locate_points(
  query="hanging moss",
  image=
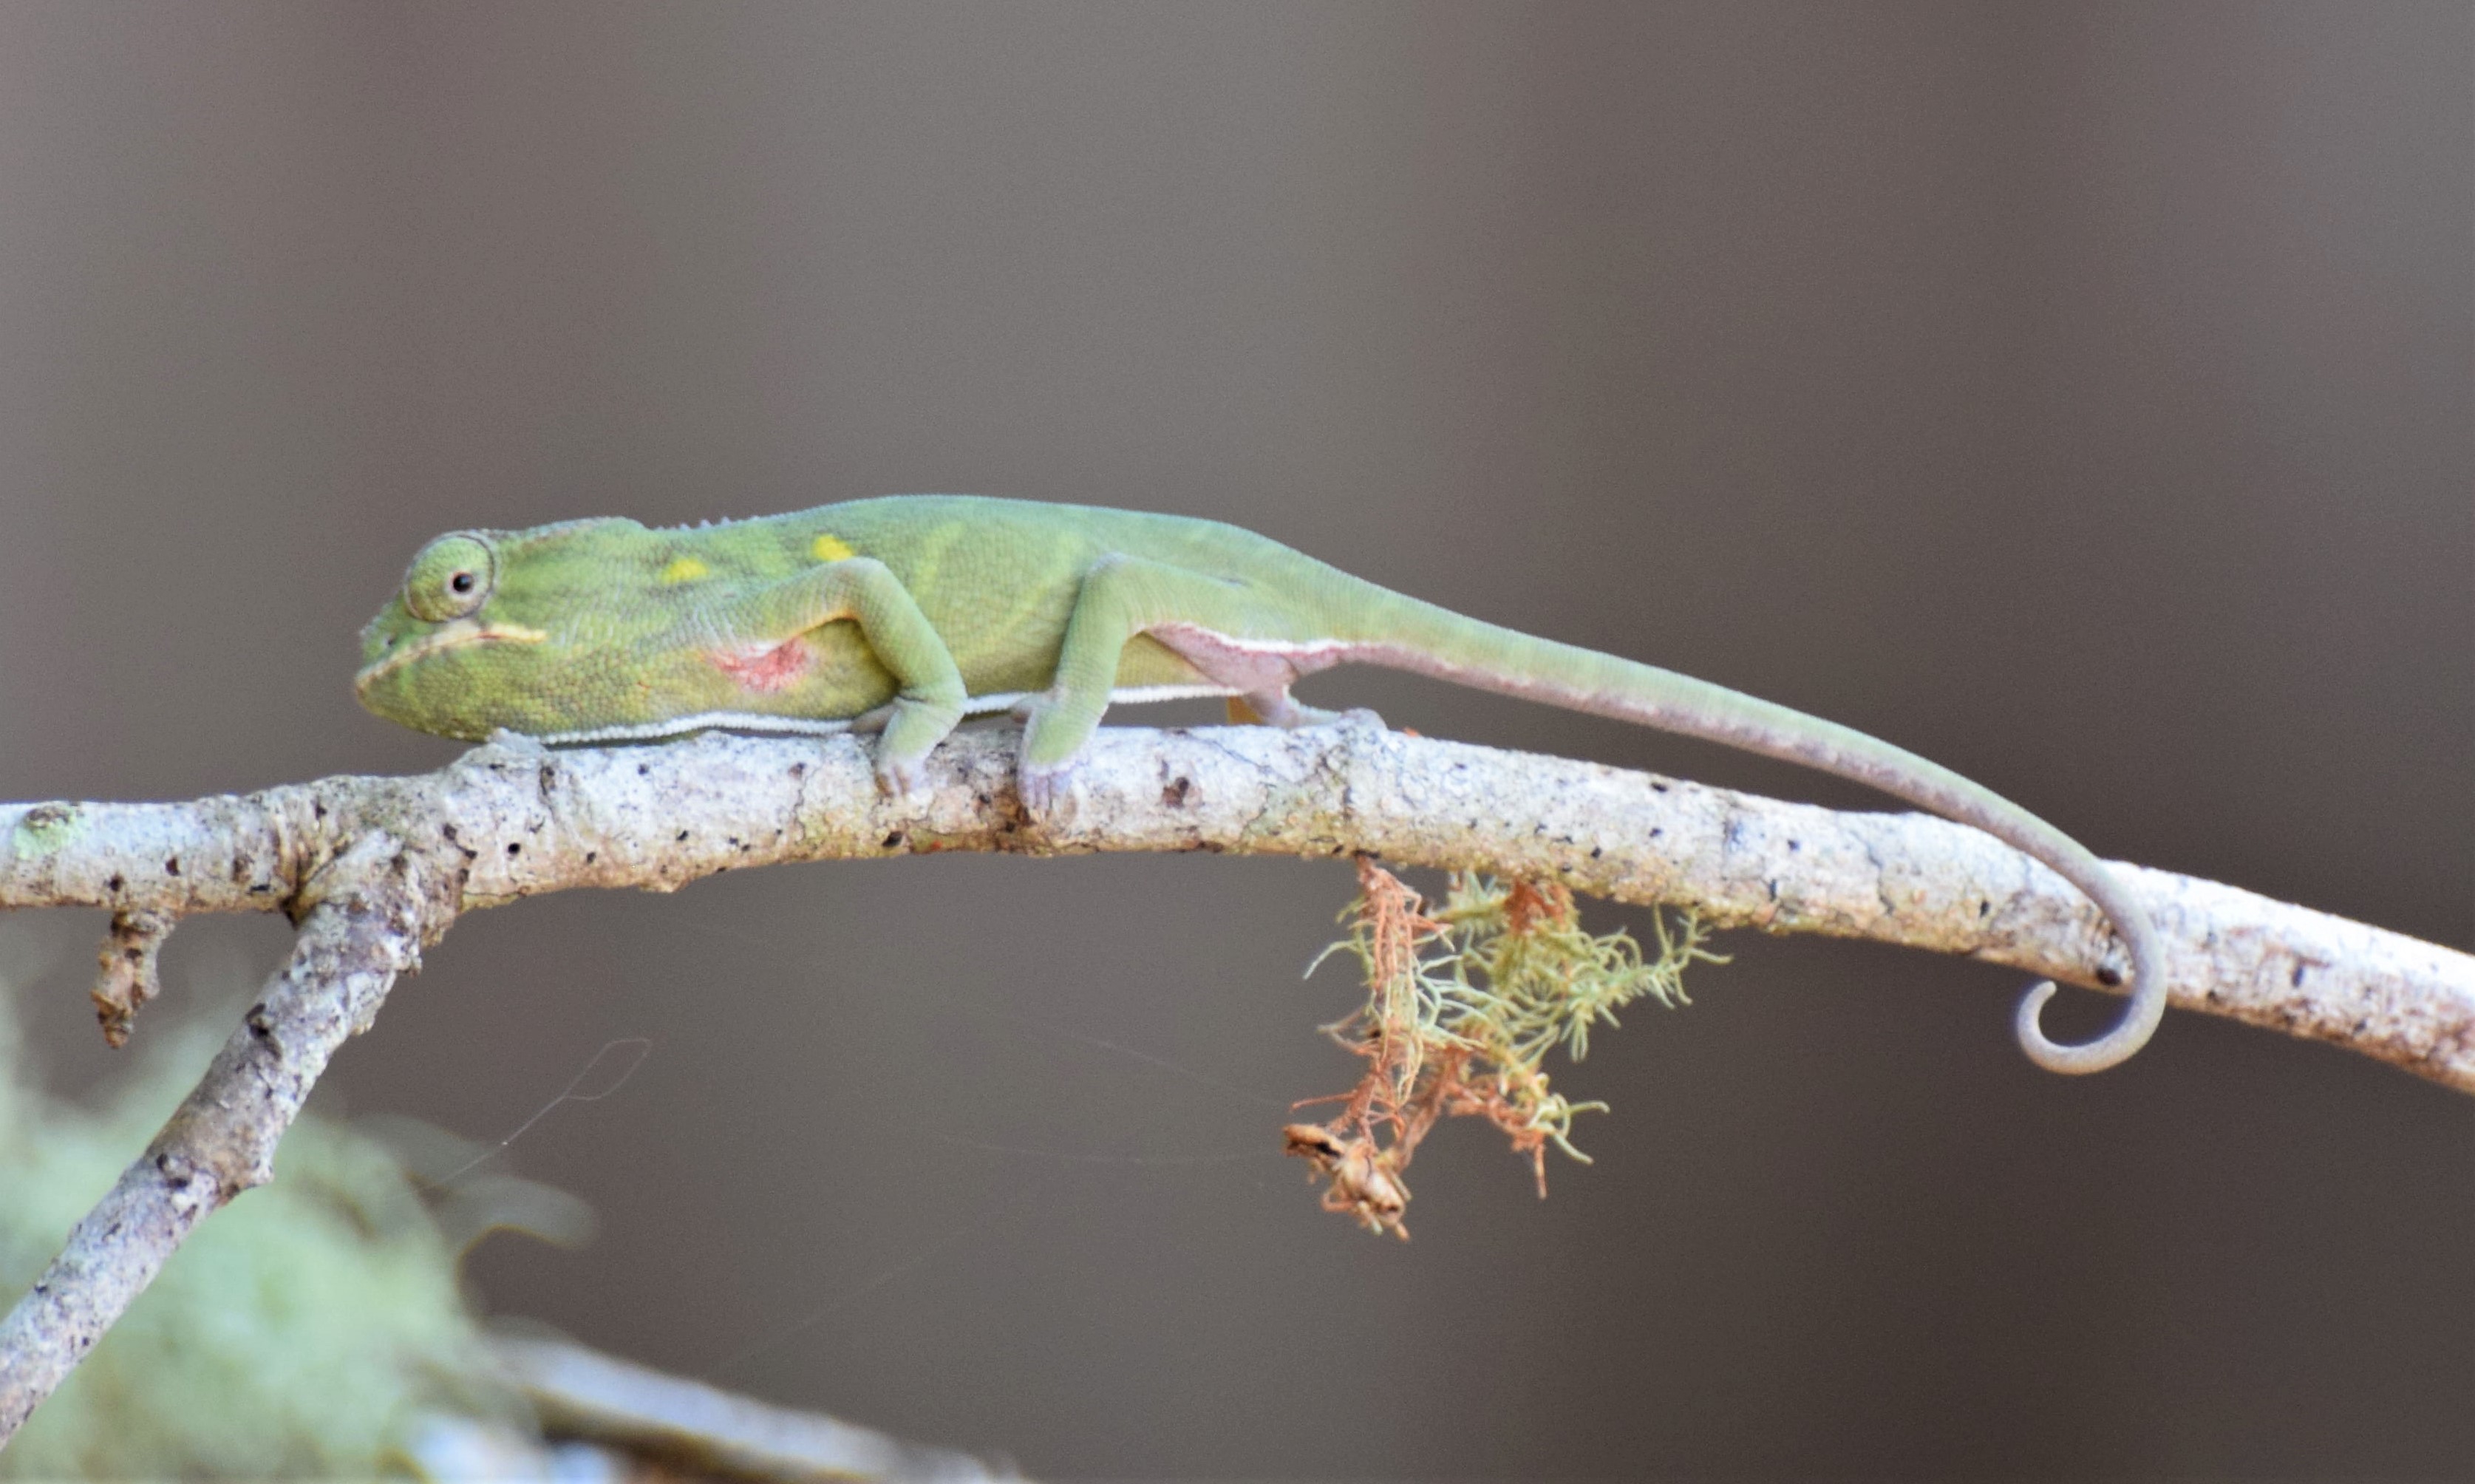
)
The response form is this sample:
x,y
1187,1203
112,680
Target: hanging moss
x,y
1463,1005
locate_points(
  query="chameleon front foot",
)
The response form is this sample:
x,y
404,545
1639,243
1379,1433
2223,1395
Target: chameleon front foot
x,y
902,779
914,726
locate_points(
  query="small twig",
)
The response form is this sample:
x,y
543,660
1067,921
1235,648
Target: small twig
x,y
585,1392
508,821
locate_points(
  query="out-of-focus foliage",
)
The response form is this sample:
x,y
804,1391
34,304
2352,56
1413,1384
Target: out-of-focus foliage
x,y
299,1333
315,1328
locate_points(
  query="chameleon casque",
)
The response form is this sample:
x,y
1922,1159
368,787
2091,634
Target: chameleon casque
x,y
909,613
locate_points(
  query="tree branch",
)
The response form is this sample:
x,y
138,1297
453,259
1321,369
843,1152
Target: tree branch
x,y
376,868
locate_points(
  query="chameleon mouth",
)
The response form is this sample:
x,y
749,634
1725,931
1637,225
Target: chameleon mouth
x,y
453,635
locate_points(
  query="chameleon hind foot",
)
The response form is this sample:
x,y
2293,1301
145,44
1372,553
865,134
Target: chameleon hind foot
x,y
1044,784
1044,788
1051,793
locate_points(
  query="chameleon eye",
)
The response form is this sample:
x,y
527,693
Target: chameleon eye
x,y
450,577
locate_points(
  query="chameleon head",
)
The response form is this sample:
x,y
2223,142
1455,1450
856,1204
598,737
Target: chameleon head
x,y
504,629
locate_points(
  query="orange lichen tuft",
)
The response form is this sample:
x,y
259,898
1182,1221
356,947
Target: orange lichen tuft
x,y
1531,904
1462,1006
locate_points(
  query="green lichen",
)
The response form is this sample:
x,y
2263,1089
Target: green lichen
x,y
44,829
297,1334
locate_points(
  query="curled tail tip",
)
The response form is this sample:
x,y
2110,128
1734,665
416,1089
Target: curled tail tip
x,y
2110,1050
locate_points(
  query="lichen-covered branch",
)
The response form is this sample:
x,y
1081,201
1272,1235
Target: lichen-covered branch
x,y
376,866
521,821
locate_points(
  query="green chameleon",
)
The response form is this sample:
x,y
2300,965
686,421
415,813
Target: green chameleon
x,y
910,613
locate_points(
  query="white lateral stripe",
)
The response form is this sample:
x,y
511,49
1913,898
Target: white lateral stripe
x,y
1123,696
1280,646
1136,695
817,726
737,720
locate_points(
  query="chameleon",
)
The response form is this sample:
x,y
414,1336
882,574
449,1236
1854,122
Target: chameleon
x,y
905,614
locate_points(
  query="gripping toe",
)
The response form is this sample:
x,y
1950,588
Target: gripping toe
x,y
902,779
1043,790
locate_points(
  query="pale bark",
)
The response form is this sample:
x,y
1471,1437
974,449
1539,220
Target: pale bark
x,y
376,868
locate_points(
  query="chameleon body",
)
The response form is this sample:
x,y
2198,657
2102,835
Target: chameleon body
x,y
909,613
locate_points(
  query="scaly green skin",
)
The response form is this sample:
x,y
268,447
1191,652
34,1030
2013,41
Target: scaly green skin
x,y
911,612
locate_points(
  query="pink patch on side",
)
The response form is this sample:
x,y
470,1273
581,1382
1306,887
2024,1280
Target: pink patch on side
x,y
766,671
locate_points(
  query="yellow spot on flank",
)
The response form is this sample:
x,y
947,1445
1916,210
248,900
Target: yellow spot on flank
x,y
683,569
830,548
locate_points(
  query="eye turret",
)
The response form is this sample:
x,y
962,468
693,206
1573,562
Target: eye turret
x,y
450,577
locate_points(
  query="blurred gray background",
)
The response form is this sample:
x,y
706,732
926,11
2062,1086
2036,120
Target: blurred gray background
x,y
2078,394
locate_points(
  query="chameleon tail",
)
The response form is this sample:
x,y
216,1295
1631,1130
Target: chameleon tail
x,y
1404,634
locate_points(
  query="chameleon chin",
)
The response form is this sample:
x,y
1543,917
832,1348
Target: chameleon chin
x,y
915,611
